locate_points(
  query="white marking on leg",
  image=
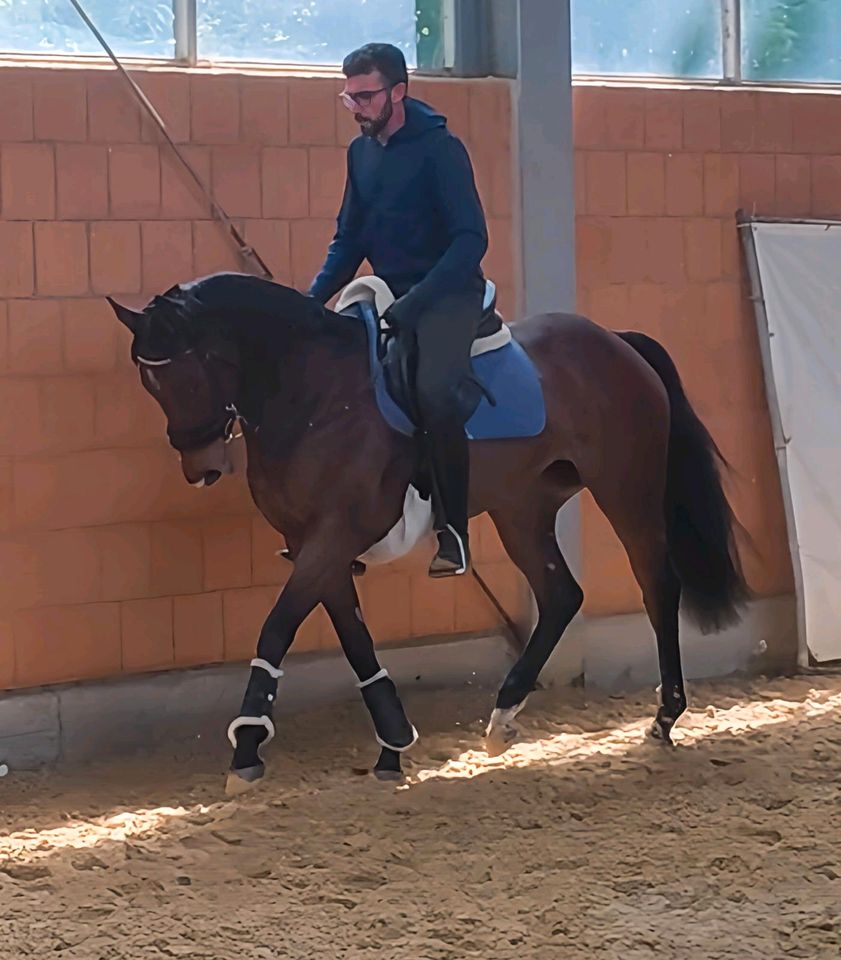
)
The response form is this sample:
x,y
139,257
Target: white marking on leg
x,y
408,746
503,718
250,722
274,672
377,676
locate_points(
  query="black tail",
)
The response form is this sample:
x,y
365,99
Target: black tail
x,y
700,522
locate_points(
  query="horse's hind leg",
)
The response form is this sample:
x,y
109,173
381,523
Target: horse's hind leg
x,y
528,535
640,523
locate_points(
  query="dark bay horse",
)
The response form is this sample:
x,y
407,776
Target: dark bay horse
x,y
329,474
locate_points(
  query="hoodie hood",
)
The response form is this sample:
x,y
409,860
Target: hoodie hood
x,y
420,119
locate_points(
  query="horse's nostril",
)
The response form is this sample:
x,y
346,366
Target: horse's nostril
x,y
211,477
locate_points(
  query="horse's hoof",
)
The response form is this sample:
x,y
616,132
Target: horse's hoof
x,y
388,776
660,735
501,731
242,781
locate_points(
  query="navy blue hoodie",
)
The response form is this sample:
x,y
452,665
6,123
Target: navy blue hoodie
x,y
412,210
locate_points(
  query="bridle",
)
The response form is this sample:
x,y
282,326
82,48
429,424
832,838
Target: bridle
x,y
223,428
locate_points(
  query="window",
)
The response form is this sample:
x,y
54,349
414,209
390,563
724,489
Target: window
x,y
791,40
302,31
134,28
673,38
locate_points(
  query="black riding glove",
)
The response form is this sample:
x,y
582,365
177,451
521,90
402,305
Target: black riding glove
x,y
402,315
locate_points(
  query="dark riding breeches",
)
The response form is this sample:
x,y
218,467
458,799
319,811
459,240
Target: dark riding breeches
x,y
447,395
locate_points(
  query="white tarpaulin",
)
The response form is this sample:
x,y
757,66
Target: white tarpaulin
x,y
799,287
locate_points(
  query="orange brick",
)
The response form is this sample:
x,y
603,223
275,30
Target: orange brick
x,y
245,612
774,119
264,109
580,178
757,183
180,195
627,249
16,111
20,432
646,184
35,336
28,181
310,239
176,558
236,180
125,413
473,609
82,181
793,190
126,561
167,254
663,119
213,249
6,492
625,118
61,644
113,112
169,94
589,117
502,179
703,249
45,577
815,124
664,248
199,629
270,238
608,306
826,183
67,413
327,172
135,179
266,567
433,606
721,185
60,105
61,259
701,120
499,260
684,184
227,553
738,119
731,253
115,257
4,335
606,187
147,634
387,606
285,183
214,109
17,276
90,335
7,654
592,249
312,115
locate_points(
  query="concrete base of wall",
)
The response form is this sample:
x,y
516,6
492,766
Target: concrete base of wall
x,y
76,722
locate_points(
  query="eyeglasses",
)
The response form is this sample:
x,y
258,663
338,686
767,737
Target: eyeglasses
x,y
361,99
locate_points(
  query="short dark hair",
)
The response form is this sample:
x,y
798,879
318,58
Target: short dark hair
x,y
383,57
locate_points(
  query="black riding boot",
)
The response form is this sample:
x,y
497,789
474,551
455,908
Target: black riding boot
x,y
450,462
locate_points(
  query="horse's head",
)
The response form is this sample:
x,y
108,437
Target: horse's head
x,y
192,371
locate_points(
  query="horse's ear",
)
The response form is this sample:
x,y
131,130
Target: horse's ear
x,y
129,317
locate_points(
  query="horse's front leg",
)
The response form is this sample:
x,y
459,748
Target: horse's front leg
x,y
394,733
254,726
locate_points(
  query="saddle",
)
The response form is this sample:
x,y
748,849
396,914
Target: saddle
x,y
370,297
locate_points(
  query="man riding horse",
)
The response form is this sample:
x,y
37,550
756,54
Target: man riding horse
x,y
411,209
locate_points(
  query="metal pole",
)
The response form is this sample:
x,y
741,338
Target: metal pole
x,y
184,24
731,39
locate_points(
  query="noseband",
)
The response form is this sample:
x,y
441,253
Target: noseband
x,y
224,428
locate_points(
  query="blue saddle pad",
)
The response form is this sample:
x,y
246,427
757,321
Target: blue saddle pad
x,y
508,374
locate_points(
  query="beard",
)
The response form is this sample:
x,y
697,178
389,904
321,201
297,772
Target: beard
x,y
373,128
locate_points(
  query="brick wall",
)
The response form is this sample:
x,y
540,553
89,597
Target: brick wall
x,y
660,174
111,563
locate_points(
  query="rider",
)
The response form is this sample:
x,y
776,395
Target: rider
x,y
411,209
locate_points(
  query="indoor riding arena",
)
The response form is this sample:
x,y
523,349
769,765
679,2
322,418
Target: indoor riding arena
x,y
670,171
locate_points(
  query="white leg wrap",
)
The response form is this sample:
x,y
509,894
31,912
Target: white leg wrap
x,y
275,672
408,746
250,722
377,676
501,718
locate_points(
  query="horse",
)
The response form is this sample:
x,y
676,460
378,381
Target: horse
x,y
331,474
